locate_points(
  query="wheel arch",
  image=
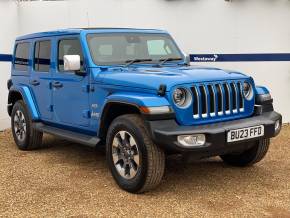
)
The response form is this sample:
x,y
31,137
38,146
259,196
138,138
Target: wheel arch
x,y
13,97
121,103
22,93
112,110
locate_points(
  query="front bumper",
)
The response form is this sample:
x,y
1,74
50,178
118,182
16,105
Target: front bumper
x,y
164,133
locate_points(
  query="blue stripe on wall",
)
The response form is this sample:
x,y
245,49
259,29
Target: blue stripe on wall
x,y
239,57
5,57
215,57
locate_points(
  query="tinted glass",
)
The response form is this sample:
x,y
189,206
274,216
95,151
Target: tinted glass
x,y
22,56
158,47
42,56
69,47
118,48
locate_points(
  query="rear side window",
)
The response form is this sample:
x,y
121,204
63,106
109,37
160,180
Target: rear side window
x,y
69,47
22,56
42,53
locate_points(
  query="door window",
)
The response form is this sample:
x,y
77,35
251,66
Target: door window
x,y
42,53
69,47
22,56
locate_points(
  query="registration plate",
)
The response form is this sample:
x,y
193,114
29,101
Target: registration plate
x,y
245,133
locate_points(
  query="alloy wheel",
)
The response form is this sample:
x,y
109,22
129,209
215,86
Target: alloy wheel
x,y
125,153
19,125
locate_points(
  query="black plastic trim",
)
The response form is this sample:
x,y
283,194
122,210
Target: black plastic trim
x,y
164,133
166,116
9,83
91,141
260,109
260,99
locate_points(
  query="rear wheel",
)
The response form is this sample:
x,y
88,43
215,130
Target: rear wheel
x,y
249,157
136,163
25,137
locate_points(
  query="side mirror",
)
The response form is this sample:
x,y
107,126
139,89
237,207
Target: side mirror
x,y
72,62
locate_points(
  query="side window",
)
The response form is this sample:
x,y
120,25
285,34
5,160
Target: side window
x,y
42,53
69,47
22,56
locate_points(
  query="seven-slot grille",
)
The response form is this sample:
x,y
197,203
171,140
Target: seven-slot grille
x,y
217,99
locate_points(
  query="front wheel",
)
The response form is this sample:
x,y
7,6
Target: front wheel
x,y
136,163
249,157
24,135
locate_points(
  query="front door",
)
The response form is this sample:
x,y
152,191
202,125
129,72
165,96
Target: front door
x,y
40,79
70,94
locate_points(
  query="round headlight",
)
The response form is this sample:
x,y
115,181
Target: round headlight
x,y
182,97
248,91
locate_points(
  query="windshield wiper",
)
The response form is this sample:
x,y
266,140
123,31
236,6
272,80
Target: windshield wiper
x,y
129,62
163,61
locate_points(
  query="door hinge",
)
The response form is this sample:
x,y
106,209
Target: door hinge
x,y
88,88
86,114
50,108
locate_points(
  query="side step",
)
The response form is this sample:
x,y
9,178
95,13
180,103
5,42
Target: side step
x,y
69,135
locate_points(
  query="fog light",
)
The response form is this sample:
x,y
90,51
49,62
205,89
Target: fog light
x,y
277,126
191,140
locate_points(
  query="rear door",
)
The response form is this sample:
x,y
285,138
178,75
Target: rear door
x,y
41,75
70,91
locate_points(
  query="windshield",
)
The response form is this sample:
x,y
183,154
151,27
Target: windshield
x,y
121,48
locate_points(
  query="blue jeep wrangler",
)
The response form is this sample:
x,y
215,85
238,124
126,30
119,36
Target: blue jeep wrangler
x,y
134,91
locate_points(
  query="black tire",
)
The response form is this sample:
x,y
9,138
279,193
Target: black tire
x,y
151,158
30,139
250,156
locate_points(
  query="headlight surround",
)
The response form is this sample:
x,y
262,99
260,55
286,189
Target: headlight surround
x,y
182,97
248,91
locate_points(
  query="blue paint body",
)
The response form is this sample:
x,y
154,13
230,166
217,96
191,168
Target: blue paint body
x,y
261,90
71,107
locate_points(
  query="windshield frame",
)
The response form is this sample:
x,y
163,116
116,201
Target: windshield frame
x,y
180,53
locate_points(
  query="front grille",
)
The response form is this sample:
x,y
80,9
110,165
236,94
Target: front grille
x,y
217,99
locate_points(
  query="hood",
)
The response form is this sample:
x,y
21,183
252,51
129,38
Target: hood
x,y
152,78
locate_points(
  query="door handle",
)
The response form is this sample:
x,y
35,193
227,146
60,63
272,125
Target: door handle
x,y
35,82
57,85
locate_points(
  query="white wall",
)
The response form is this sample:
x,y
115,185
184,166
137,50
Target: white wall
x,y
199,26
42,16
8,24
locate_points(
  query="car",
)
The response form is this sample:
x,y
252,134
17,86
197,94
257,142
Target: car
x,y
135,92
